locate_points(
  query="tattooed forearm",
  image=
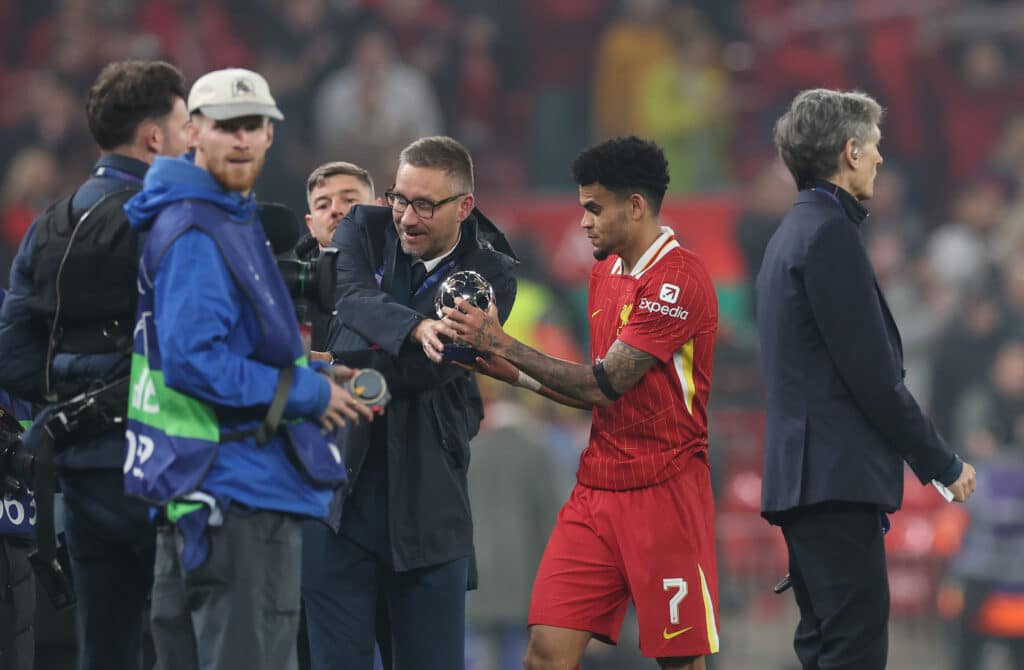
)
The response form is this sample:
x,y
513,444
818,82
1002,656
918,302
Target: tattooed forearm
x,y
573,380
626,365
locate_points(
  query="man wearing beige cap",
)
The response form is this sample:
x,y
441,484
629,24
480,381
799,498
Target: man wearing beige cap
x,y
229,432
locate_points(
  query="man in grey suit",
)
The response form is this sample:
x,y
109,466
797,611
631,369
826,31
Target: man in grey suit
x,y
840,421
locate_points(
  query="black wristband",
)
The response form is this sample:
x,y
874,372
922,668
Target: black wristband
x,y
604,383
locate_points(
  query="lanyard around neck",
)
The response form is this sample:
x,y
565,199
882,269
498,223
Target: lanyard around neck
x,y
107,171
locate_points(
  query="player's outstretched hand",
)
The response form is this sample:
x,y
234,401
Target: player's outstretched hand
x,y
964,486
473,327
428,334
341,407
494,366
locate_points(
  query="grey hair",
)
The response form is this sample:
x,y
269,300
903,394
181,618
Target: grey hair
x,y
816,127
441,153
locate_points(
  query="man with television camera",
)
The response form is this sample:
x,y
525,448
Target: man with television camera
x,y
331,190
65,338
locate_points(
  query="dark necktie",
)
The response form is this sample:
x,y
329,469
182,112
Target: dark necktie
x,y
419,273
406,280
401,280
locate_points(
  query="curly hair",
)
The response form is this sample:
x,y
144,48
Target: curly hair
x,y
817,126
125,94
625,165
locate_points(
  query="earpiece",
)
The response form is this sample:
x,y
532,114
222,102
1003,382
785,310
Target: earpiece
x,y
855,152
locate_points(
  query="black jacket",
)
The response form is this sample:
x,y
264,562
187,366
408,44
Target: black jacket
x,y
435,409
840,421
23,339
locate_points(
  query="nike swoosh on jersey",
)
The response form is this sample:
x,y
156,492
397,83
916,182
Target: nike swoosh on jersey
x,y
668,636
596,312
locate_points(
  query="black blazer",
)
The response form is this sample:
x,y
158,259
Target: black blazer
x,y
434,409
840,422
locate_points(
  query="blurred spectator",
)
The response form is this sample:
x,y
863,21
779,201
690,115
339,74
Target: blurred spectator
x,y
794,52
420,29
425,34
765,201
895,235
964,352
53,113
196,35
515,494
684,102
67,42
972,91
29,185
367,111
989,566
559,51
1008,153
1013,291
476,114
990,415
916,316
963,250
632,44
298,44
893,207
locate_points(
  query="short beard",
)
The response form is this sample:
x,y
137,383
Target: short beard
x,y
600,254
414,255
242,185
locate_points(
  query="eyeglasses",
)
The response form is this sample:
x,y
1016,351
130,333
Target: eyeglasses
x,y
423,208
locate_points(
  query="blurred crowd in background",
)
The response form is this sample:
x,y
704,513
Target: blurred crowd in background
x,y
525,85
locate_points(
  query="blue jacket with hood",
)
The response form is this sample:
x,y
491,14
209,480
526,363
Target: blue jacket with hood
x,y
209,322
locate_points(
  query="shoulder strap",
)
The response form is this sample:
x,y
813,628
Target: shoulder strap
x,y
62,213
275,413
276,410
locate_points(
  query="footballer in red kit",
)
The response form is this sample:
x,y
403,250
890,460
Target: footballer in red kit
x,y
639,525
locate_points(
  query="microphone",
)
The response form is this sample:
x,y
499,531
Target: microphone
x,y
280,225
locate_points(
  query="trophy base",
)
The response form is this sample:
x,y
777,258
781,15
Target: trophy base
x,y
457,353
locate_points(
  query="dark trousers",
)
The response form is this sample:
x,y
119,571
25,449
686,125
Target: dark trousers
x,y
17,606
382,634
112,543
239,610
837,563
342,584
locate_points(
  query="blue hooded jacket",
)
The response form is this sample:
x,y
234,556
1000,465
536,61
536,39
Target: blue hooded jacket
x,y
209,336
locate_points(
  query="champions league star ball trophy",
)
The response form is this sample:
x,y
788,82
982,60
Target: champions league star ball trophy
x,y
474,289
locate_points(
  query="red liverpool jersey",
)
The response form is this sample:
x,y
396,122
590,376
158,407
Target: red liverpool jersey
x,y
665,307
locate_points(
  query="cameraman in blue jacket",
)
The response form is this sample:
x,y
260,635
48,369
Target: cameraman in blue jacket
x,y
227,426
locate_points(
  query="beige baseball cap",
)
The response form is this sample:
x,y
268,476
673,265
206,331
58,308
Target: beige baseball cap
x,y
232,93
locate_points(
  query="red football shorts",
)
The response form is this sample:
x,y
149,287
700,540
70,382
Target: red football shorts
x,y
654,545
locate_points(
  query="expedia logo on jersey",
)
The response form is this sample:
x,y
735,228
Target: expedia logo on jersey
x,y
648,305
